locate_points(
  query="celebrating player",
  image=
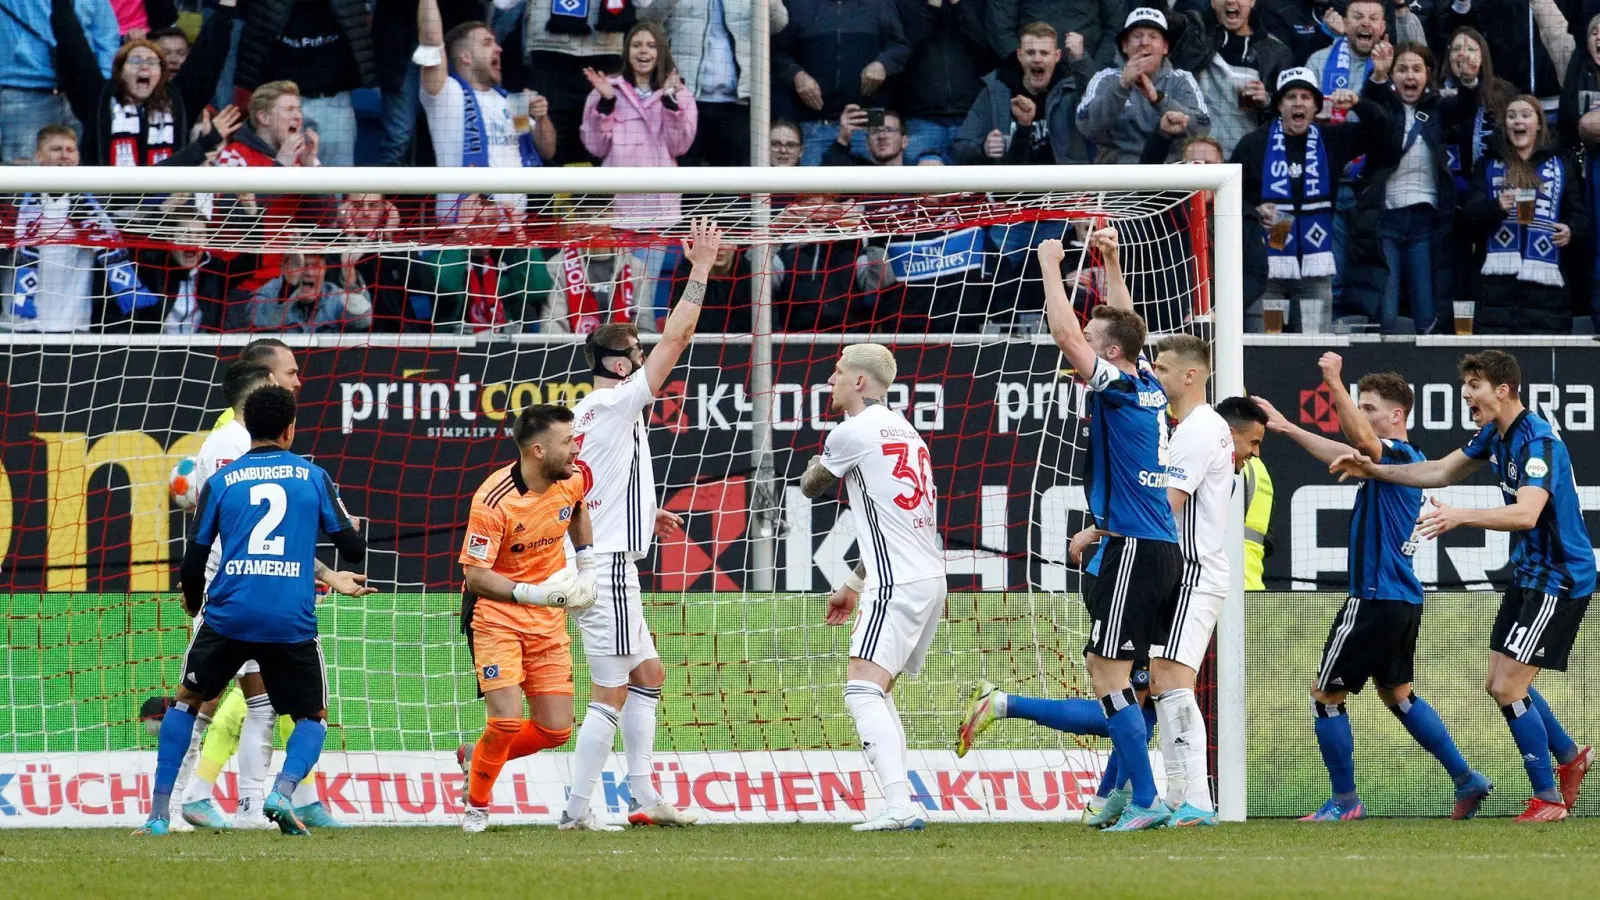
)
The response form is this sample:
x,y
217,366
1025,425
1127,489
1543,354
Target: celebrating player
x,y
1137,564
1553,564
901,571
620,486
266,508
517,591
246,712
1374,635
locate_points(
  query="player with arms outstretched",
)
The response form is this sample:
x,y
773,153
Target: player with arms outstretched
x,y
619,475
1137,565
900,577
1552,560
1374,635
518,588
267,508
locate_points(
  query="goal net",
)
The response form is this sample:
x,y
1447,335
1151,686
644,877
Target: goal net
x,y
424,307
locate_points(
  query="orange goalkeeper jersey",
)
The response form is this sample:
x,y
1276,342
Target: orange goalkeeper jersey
x,y
518,533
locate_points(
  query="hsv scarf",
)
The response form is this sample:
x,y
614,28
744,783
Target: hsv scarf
x,y
87,221
572,17
475,137
1527,252
1336,74
1309,251
583,307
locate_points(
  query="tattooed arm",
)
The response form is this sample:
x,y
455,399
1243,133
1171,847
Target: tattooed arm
x,y
705,239
817,479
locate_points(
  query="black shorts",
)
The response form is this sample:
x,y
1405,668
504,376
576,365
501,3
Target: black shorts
x,y
293,673
1374,639
1536,628
1136,577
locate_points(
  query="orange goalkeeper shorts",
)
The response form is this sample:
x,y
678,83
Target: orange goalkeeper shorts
x,y
538,661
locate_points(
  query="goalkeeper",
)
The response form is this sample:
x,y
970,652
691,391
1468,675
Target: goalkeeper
x,y
517,590
246,712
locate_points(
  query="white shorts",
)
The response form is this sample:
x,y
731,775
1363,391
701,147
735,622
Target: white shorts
x,y
614,625
1189,620
251,667
613,671
895,625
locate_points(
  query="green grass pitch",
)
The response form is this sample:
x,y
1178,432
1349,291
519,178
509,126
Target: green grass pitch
x,y
1267,858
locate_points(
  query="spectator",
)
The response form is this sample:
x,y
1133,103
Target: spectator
x,y
949,58
276,134
1202,149
590,286
174,42
945,275
55,266
1530,40
142,114
325,47
560,40
1238,60
28,98
374,219
173,284
711,41
886,141
1345,64
1293,216
469,114
1419,191
1094,20
1527,198
1472,68
784,144
1122,108
478,288
1025,112
835,53
394,35
729,295
303,301
1580,128
1302,25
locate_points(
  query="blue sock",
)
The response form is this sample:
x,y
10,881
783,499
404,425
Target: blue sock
x,y
1561,744
1111,777
1338,747
300,754
177,726
1129,737
1424,724
1533,742
1076,716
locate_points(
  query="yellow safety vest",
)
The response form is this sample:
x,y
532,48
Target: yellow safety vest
x,y
1257,519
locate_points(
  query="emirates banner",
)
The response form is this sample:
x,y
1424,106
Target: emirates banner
x,y
89,433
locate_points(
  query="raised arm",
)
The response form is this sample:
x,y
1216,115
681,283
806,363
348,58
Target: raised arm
x,y
1432,473
1064,327
1117,293
1325,450
1352,422
705,239
430,43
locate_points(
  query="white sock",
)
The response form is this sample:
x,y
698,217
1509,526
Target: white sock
x,y
1165,731
900,727
1188,727
882,739
255,749
305,793
593,747
180,788
639,742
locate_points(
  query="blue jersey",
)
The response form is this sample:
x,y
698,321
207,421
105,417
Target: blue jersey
x,y
1126,478
1381,529
1556,555
268,506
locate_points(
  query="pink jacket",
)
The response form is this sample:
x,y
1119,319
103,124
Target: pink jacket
x,y
641,133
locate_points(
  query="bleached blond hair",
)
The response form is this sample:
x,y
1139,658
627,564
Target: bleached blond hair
x,y
872,360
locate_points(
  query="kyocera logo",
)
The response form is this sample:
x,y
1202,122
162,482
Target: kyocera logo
x,y
462,400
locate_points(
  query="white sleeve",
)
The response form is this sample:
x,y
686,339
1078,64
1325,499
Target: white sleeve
x,y
1186,459
444,109
1105,375
842,451
634,394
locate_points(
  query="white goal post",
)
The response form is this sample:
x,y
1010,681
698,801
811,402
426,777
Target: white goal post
x,y
760,184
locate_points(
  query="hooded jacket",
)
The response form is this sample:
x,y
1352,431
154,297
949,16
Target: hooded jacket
x,y
992,111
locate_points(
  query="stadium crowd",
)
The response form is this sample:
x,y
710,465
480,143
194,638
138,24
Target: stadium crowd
x,y
1407,166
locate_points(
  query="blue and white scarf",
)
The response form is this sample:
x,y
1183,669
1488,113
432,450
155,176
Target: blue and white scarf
x,y
87,221
1336,73
1528,253
1309,250
475,136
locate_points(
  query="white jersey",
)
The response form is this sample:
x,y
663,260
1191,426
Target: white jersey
x,y
889,475
614,459
223,446
1200,463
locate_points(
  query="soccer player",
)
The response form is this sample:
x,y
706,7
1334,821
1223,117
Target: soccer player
x,y
901,571
267,508
1552,560
620,486
518,588
1374,635
246,716
1136,567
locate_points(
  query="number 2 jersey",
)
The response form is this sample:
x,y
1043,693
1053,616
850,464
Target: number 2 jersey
x,y
888,475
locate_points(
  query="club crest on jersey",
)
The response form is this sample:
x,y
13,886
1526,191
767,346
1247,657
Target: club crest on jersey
x,y
477,546
565,514
491,672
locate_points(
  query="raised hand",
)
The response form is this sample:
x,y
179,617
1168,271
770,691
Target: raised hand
x,y
601,84
1104,240
1174,123
1022,111
702,244
1332,366
1051,253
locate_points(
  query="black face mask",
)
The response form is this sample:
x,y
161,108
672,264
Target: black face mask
x,y
601,354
